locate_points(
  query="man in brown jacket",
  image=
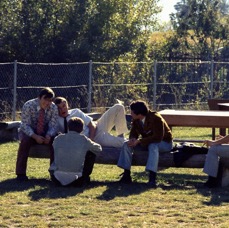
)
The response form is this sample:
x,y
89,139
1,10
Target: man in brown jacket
x,y
149,131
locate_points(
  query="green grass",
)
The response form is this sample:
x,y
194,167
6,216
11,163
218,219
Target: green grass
x,y
179,201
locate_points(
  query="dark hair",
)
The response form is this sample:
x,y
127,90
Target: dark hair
x,y
75,124
47,93
59,100
139,107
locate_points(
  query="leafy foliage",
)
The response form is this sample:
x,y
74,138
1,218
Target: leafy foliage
x,y
70,30
202,28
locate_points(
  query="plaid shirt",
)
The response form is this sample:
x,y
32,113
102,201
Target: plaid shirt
x,y
29,118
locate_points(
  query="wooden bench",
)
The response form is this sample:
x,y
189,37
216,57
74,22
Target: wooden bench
x,y
110,155
213,105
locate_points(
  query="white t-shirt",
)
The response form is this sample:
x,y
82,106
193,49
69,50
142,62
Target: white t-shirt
x,y
75,113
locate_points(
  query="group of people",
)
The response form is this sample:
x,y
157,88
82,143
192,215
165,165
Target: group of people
x,y
75,139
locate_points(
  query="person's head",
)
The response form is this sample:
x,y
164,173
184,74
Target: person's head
x,y
62,105
75,124
139,109
46,97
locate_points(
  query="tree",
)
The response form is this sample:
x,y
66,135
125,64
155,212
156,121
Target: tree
x,y
202,26
75,30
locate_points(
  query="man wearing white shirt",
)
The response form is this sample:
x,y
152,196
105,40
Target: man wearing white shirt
x,y
98,131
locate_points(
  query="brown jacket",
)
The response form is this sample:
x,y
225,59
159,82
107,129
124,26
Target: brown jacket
x,y
155,129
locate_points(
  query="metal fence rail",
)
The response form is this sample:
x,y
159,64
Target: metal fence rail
x,y
94,86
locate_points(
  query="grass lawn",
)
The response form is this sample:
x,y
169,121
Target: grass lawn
x,y
179,201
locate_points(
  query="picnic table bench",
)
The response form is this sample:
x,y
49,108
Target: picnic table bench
x,y
110,155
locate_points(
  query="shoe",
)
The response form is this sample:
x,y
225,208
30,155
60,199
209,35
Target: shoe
x,y
22,178
212,182
87,180
126,179
152,184
152,180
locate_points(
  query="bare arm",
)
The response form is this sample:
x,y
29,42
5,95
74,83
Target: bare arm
x,y
223,140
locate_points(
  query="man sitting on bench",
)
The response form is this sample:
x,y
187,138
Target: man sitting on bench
x,y
156,137
38,126
219,149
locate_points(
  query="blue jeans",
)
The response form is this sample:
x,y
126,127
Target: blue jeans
x,y
125,157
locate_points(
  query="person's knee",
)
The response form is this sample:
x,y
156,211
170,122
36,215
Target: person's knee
x,y
153,147
119,107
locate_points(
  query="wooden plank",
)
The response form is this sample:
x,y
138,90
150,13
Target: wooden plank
x,y
196,118
110,155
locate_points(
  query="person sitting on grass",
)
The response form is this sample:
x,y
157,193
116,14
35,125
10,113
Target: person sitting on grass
x,y
218,149
156,137
70,150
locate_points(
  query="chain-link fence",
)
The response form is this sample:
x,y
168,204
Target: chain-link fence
x,y
94,86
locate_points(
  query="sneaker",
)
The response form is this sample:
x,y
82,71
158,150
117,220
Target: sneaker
x,y
126,179
22,178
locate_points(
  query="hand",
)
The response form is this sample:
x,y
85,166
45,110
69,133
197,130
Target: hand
x,y
219,137
47,139
39,139
208,143
133,142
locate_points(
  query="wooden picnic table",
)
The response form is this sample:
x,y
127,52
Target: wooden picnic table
x,y
223,107
216,119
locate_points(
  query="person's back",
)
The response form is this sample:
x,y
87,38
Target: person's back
x,y
70,150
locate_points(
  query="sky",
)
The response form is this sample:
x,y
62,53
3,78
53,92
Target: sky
x,y
168,7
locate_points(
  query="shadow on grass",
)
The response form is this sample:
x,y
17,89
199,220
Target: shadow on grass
x,y
115,189
44,188
216,196
38,188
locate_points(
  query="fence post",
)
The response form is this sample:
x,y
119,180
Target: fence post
x,y
89,87
212,77
154,84
14,91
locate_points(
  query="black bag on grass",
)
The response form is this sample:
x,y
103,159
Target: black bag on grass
x,y
183,151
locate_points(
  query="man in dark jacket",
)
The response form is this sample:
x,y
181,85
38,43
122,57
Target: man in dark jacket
x,y
149,131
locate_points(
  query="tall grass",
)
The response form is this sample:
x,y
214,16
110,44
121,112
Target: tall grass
x,y
179,201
